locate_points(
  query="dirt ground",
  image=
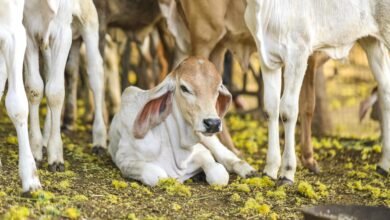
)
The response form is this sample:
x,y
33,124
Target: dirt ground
x,y
92,187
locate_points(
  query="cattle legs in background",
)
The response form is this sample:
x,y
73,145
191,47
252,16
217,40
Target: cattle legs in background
x,y
12,51
307,103
379,60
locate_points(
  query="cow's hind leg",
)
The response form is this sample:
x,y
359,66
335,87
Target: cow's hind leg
x,y
72,77
306,109
379,60
3,79
55,92
95,73
34,89
13,51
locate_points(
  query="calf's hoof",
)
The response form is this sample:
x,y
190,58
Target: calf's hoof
x,y
99,151
283,181
381,171
57,167
244,170
252,174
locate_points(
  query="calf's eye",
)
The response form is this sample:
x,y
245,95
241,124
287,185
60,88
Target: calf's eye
x,y
185,90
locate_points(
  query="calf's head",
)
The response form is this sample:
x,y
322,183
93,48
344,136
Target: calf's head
x,y
195,88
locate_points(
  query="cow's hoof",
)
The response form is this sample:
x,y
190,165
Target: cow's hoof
x,y
56,167
311,165
27,194
381,171
44,151
252,174
265,174
38,164
68,125
313,168
34,188
99,151
283,181
243,169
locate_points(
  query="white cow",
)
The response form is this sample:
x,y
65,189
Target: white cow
x,y
49,30
12,49
168,131
287,32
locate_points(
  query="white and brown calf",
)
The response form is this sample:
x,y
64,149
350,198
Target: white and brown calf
x,y
49,32
168,131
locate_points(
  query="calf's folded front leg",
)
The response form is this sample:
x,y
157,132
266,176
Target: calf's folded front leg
x,y
216,173
227,158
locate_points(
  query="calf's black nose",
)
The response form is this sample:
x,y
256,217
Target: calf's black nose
x,y
212,125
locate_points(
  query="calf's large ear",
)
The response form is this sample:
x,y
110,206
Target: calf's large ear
x,y
223,102
156,109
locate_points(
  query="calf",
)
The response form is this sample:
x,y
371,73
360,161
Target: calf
x,y
168,131
49,31
286,38
12,49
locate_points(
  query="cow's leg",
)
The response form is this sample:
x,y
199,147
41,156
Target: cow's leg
x,y
306,109
3,77
71,77
227,158
272,87
112,78
55,92
147,173
215,172
34,90
378,58
46,128
3,80
293,78
17,105
95,73
217,57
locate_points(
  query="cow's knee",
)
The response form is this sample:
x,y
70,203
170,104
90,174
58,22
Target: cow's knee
x,y
55,93
288,109
34,90
217,175
152,174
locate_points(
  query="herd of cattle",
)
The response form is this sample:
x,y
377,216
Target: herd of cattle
x,y
43,38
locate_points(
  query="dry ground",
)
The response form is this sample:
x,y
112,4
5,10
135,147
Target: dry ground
x,y
92,187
